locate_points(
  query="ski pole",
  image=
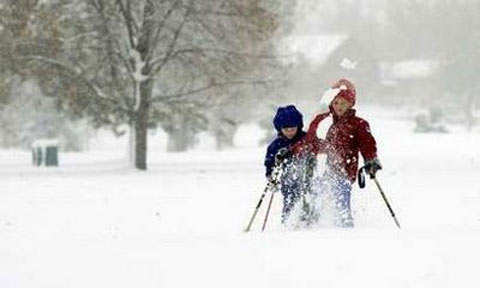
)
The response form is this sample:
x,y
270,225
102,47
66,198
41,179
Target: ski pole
x,y
270,185
257,208
386,202
268,211
274,189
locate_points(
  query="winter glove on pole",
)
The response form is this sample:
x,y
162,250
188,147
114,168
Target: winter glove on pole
x,y
372,166
282,154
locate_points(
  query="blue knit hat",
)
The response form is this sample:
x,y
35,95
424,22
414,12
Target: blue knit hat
x,y
288,116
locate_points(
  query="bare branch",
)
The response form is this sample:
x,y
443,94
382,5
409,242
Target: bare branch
x,y
93,87
129,21
160,27
196,91
173,42
162,58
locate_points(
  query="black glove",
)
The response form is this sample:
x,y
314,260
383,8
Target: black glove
x,y
372,166
282,154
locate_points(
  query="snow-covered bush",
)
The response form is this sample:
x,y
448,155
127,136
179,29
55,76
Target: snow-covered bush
x,y
30,115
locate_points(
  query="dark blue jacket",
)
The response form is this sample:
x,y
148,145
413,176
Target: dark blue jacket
x,y
287,116
277,144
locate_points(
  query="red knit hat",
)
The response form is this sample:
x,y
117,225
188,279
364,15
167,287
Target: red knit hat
x,y
347,90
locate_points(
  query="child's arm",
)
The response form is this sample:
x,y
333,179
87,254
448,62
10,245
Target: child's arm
x,y
270,158
311,142
312,129
317,145
368,148
367,144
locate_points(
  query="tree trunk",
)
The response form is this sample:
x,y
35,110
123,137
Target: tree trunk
x,y
225,135
141,125
177,141
180,136
131,145
223,141
141,140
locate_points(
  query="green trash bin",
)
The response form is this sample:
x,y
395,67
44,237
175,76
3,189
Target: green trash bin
x,y
45,152
51,156
39,156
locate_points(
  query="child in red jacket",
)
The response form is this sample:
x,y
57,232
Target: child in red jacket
x,y
346,138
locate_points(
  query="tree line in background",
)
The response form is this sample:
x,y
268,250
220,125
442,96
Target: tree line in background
x,y
209,65
439,39
182,65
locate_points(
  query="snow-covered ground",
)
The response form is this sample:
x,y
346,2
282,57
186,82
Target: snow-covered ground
x,y
93,222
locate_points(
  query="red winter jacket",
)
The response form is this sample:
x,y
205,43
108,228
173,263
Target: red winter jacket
x,y
346,137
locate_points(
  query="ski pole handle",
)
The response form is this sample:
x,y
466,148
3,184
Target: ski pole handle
x,y
361,177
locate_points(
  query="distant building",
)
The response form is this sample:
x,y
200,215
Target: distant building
x,y
337,56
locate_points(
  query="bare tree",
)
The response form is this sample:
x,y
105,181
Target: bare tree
x,y
127,61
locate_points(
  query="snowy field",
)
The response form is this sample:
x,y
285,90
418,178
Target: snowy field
x,y
93,222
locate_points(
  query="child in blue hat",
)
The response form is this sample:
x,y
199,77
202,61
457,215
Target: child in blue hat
x,y
288,122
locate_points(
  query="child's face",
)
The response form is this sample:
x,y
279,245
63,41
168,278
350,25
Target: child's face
x,y
289,132
340,105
